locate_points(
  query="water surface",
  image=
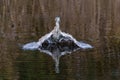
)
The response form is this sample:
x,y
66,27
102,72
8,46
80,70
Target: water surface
x,y
94,21
101,63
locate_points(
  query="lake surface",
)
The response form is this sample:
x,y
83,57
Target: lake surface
x,y
101,63
96,22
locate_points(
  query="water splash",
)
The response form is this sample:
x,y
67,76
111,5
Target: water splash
x,y
57,43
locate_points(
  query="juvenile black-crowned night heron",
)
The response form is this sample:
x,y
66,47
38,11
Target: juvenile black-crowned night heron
x,y
56,43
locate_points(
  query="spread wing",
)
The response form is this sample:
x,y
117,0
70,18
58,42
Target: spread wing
x,y
30,46
84,45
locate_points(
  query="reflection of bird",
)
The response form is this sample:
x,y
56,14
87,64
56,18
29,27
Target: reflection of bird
x,y
57,43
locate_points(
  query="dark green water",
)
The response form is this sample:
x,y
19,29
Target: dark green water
x,y
101,63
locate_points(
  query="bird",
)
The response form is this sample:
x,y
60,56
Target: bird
x,y
56,44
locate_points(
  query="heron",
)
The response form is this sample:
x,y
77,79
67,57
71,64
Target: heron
x,y
57,43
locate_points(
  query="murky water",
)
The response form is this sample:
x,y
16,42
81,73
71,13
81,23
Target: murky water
x,y
94,21
101,63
